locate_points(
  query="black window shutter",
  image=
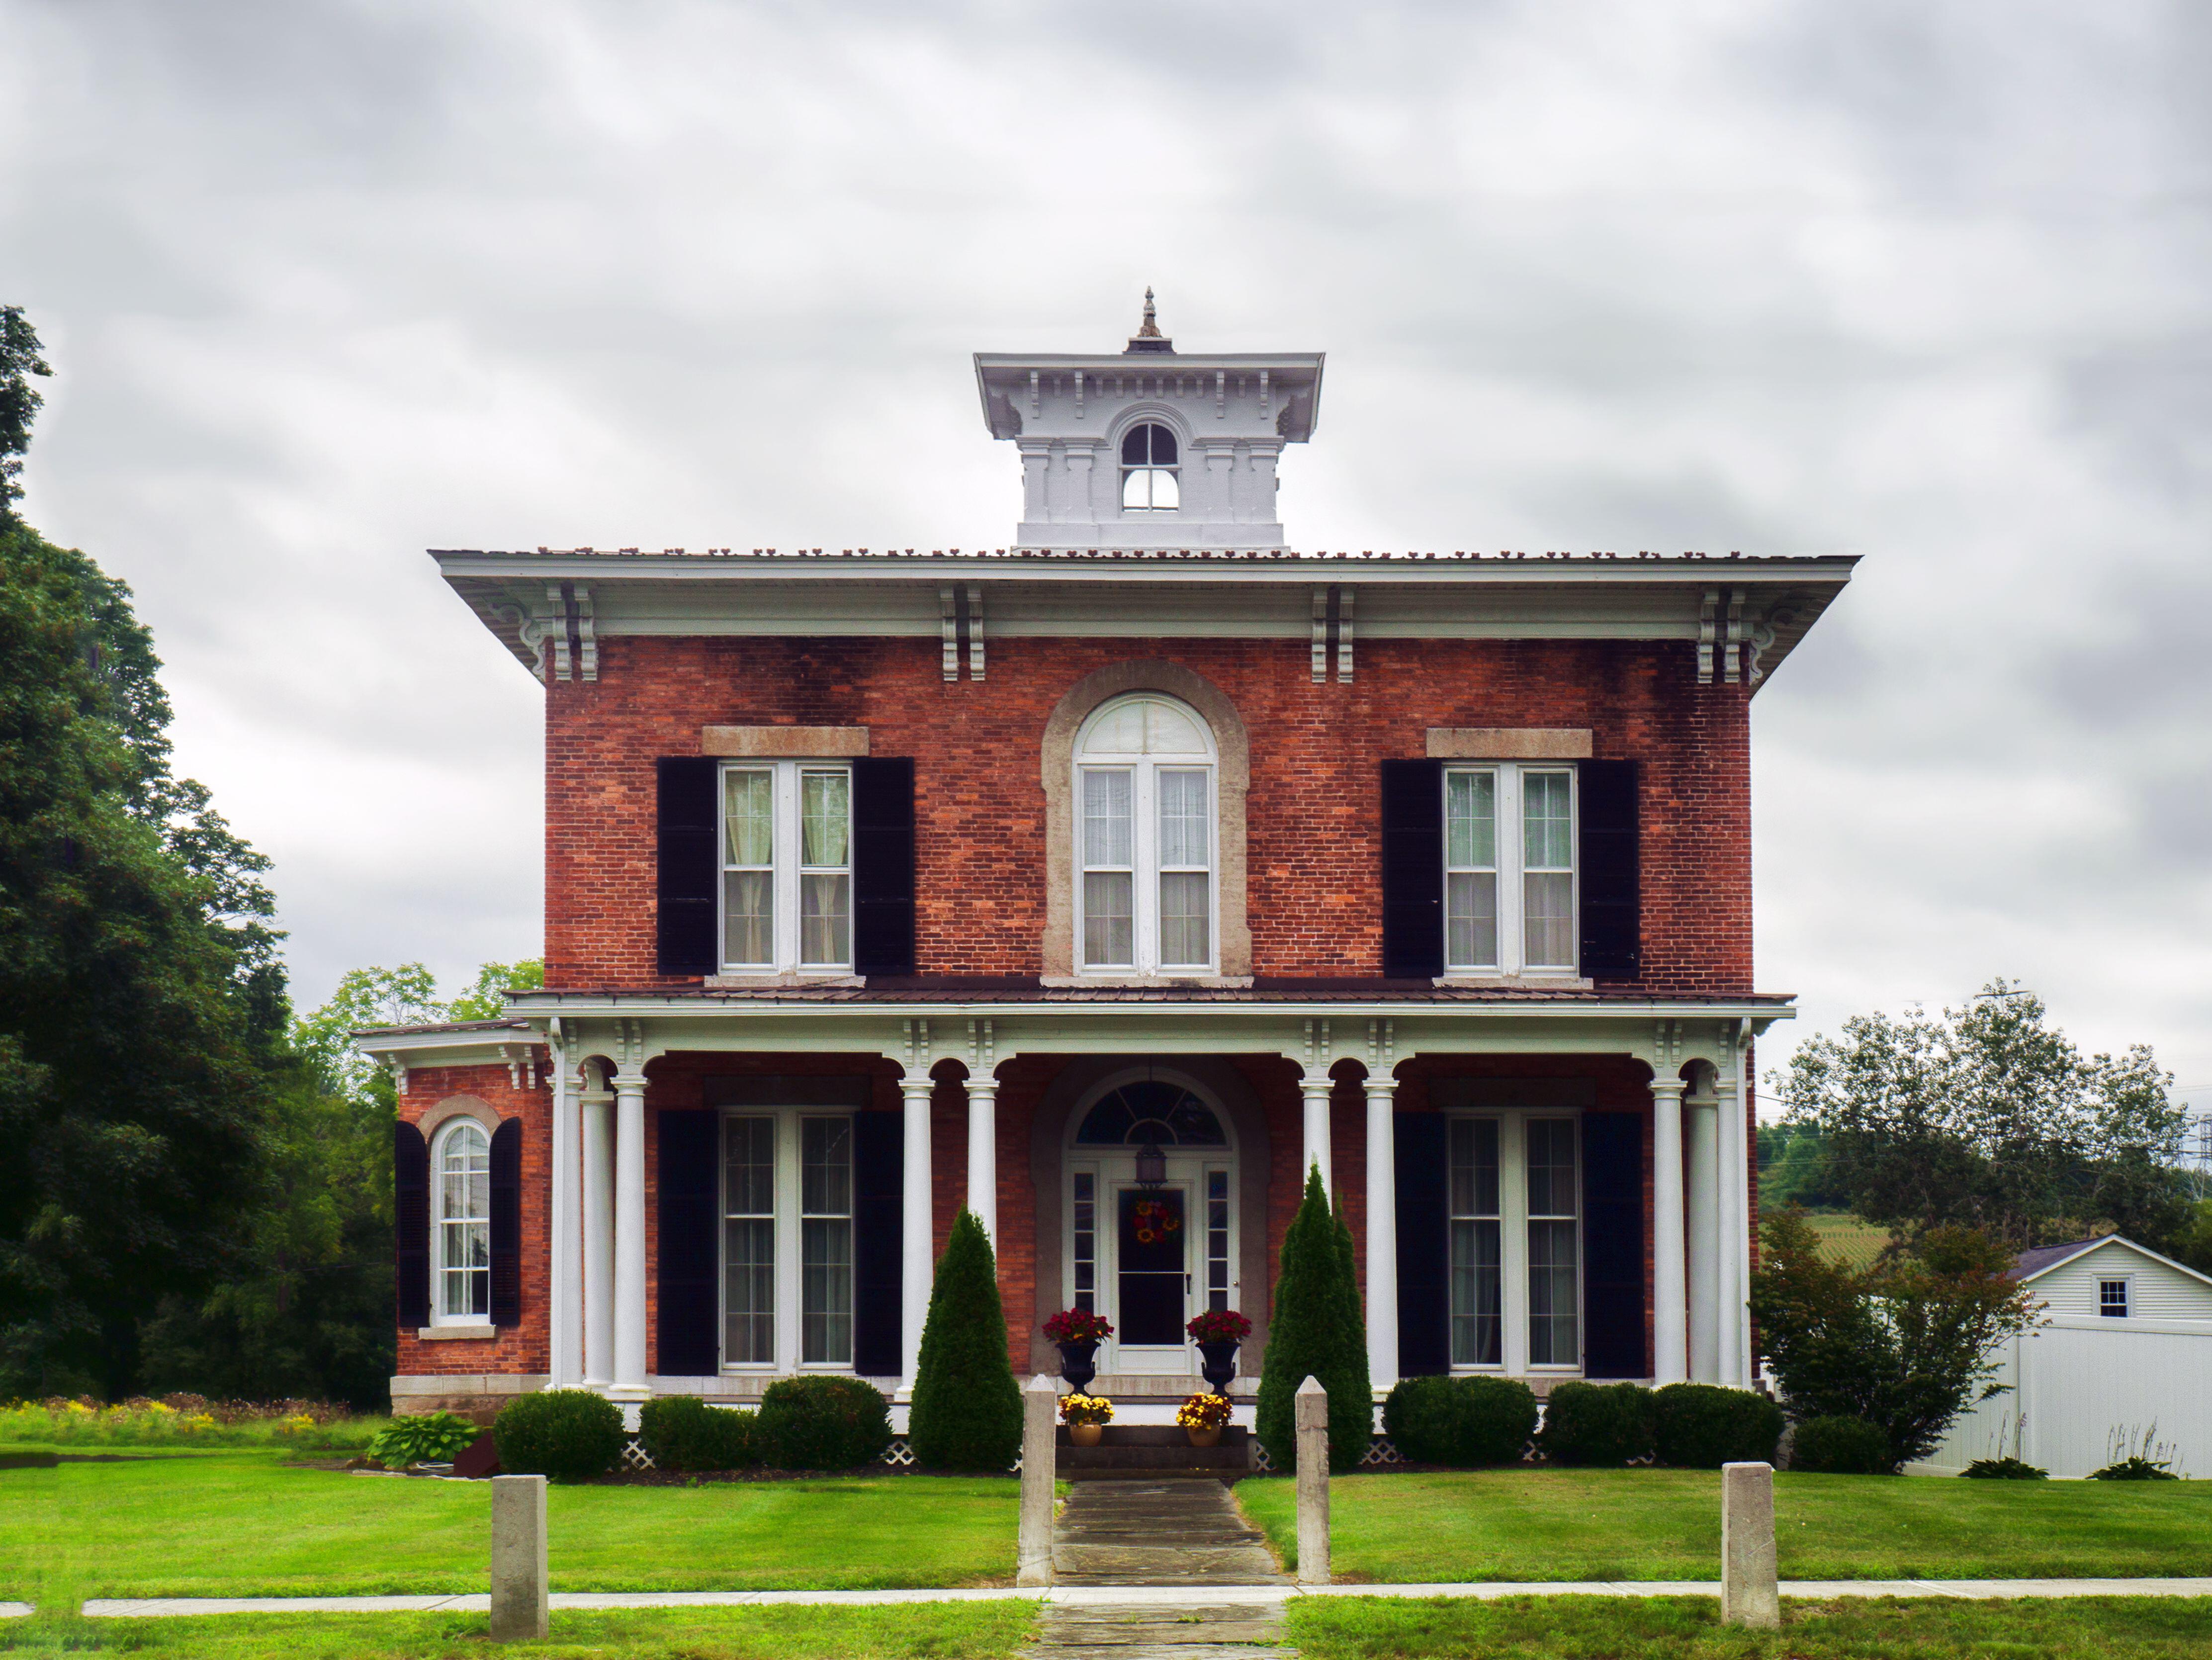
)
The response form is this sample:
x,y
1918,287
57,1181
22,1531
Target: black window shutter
x,y
410,1218
1413,869
1423,1244
687,817
1613,1245
1613,921
689,1342
878,1224
506,1223
883,865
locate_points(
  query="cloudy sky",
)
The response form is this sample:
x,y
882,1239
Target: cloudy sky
x,y
328,284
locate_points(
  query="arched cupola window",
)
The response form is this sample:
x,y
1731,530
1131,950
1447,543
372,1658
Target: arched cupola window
x,y
1151,468
1146,838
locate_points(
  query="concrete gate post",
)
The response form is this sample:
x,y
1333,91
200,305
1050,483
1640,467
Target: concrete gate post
x,y
1312,1421
1040,1467
519,1598
1748,1593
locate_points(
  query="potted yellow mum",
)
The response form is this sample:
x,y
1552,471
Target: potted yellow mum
x,y
1086,1417
1202,1416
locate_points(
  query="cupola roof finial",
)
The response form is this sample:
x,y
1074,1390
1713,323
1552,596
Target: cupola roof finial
x,y
1148,336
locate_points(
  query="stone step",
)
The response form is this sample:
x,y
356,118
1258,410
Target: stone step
x,y
1049,1651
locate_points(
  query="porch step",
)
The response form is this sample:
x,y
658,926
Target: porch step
x,y
1153,1448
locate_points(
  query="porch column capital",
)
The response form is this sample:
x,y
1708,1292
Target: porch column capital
x,y
1314,1085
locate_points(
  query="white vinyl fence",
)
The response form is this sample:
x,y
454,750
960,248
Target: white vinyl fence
x,y
2086,1391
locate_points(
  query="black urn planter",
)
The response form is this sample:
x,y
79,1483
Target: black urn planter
x,y
1220,1365
1078,1364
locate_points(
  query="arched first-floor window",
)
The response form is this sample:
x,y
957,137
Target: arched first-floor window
x,y
461,1222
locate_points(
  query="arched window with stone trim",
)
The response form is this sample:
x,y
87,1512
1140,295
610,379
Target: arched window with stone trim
x,y
1146,896
460,1224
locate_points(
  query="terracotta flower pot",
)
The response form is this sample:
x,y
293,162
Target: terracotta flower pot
x,y
1204,1438
1085,1435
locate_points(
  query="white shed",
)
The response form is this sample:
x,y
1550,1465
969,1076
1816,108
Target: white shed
x,y
2122,1360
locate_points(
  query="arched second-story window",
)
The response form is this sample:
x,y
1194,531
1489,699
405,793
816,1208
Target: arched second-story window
x,y
461,1222
1146,838
1151,469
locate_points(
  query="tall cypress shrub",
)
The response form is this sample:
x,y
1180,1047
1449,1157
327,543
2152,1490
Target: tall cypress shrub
x,y
1316,1331
967,1411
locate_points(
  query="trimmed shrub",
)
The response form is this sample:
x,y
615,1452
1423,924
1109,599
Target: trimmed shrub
x,y
683,1432
1317,1332
1701,1427
820,1423
2003,1469
570,1435
1602,1424
1463,1422
967,1411
1841,1446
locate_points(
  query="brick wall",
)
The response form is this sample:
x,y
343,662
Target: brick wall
x,y
1313,849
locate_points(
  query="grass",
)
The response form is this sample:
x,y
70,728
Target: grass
x,y
972,1630
1550,1525
245,1523
1689,1629
76,1425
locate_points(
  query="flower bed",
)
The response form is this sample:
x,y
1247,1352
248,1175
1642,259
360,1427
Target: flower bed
x,y
187,1420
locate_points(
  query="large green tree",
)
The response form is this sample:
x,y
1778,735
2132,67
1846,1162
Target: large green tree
x,y
1989,1117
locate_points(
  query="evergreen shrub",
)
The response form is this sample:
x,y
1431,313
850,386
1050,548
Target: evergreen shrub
x,y
570,1435
1841,1446
967,1411
1598,1424
1701,1427
683,1432
1317,1331
820,1423
1463,1422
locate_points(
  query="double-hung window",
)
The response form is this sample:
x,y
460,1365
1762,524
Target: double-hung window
x,y
786,867
462,1225
1514,1196
1510,894
1146,894
2112,1299
787,1239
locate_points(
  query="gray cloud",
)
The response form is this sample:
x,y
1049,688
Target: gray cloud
x,y
328,284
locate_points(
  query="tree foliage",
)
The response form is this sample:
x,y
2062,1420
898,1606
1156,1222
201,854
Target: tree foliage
x,y
1987,1117
1316,1331
19,401
1907,1345
967,1412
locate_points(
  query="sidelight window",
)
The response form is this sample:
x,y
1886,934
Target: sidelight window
x,y
786,866
1510,875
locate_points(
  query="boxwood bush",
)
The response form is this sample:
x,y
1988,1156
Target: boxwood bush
x,y
822,1424
1841,1446
1463,1422
570,1435
1605,1424
1701,1427
683,1432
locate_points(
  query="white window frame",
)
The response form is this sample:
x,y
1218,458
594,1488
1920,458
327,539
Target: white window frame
x,y
2126,1283
1123,469
787,1345
1512,869
1513,1219
788,799
1145,867
440,1222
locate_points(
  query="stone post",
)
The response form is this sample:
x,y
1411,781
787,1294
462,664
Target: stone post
x,y
519,1599
1312,1420
1748,1596
1040,1468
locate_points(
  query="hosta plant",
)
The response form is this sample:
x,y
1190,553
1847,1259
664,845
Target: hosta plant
x,y
433,1438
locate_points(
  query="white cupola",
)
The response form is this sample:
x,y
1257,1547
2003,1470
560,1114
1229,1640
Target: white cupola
x,y
1149,447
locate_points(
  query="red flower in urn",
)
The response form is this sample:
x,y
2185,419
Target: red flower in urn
x,y
1219,1326
1078,1326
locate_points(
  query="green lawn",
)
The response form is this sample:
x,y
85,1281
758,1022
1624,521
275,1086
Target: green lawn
x,y
971,1631
1851,1239
1689,1629
1666,1525
243,1523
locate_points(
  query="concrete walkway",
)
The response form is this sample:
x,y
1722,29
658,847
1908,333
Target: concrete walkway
x,y
1131,1597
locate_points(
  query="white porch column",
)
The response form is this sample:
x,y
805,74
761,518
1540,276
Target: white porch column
x,y
1315,1086
564,1228
916,1262
1730,1290
1701,1209
630,1236
1382,1234
983,1153
1669,1320
597,1103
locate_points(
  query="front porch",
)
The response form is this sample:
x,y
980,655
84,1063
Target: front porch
x,y
741,1187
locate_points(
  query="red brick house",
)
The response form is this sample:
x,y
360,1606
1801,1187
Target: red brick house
x,y
1102,885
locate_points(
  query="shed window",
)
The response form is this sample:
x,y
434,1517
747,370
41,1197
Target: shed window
x,y
2112,1299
